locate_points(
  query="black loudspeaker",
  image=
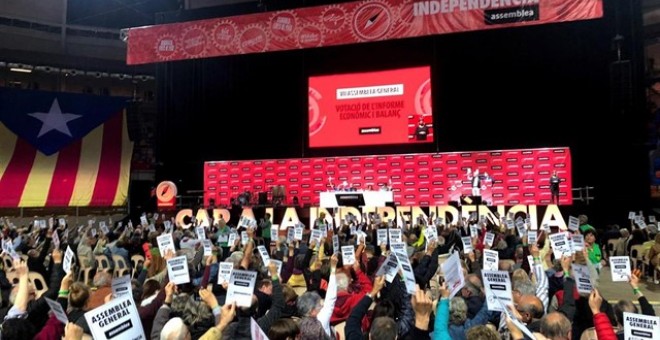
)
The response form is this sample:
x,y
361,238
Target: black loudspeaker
x,y
263,198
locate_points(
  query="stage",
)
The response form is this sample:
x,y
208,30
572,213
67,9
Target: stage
x,y
510,177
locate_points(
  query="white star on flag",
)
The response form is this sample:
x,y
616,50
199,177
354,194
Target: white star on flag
x,y
54,119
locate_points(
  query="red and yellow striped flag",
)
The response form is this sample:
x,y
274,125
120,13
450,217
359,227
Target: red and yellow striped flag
x,y
92,170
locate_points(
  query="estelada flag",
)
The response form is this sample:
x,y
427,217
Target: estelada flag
x,y
63,149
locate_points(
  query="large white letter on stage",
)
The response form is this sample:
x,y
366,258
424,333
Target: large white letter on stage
x,y
180,215
290,218
553,217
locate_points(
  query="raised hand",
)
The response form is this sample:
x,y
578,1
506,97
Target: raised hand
x,y
379,283
227,316
333,261
57,256
208,298
595,301
21,268
634,278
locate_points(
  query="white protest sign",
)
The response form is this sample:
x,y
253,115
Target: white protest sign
x,y
335,244
117,319
290,235
42,224
201,234
474,231
431,234
68,259
348,255
491,260
298,233
497,285
360,237
395,235
389,268
640,327
631,215
274,229
256,332
224,272
177,270
532,237
573,223
398,247
316,236
241,287
560,244
264,255
382,236
121,286
620,267
520,226
510,224
489,239
56,239
408,273
61,222
57,310
165,243
244,237
208,247
453,274
467,245
582,279
279,265
578,242
232,239
652,219
104,228
521,326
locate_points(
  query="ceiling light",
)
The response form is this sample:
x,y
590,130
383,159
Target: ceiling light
x,y
20,69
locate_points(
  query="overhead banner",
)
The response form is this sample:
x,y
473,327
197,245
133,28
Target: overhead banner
x,y
341,24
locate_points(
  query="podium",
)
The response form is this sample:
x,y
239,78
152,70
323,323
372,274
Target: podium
x,y
355,199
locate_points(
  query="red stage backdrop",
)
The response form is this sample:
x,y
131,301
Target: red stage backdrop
x,y
518,176
347,23
370,108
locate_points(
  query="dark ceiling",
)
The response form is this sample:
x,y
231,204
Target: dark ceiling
x,y
118,13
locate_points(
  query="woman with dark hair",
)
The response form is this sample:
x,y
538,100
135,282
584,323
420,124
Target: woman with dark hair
x,y
284,329
593,249
149,291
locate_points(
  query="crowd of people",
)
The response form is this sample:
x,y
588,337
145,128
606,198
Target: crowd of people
x,y
317,294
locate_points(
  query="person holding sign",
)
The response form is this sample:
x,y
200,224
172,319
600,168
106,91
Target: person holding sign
x,y
602,323
241,328
265,225
316,312
346,300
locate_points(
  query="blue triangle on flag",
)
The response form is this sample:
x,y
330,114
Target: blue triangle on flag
x,y
51,121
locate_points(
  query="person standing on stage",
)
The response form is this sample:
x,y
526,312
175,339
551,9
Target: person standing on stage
x,y
475,178
265,230
554,187
422,130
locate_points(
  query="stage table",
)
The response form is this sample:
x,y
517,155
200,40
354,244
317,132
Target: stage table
x,y
330,199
